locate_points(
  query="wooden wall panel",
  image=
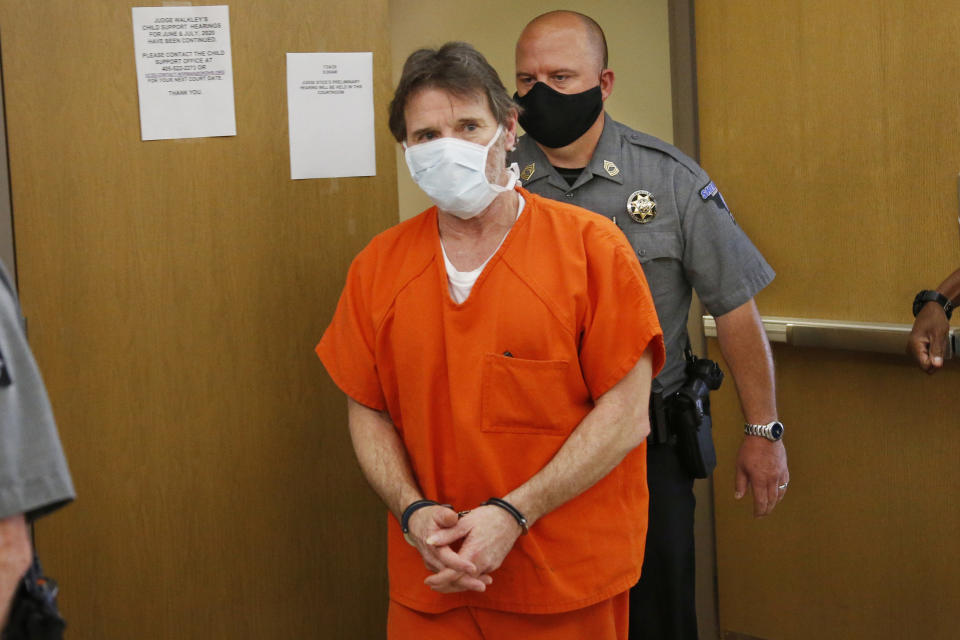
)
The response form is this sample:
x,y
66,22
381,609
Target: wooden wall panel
x,y
834,127
175,291
863,545
831,128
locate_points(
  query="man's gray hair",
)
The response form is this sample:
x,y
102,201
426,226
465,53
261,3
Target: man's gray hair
x,y
456,68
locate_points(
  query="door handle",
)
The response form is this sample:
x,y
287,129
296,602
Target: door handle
x,y
873,337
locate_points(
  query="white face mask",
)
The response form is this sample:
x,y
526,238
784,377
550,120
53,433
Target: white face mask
x,y
453,172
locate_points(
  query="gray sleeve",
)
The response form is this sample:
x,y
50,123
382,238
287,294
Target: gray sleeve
x,y
34,478
721,263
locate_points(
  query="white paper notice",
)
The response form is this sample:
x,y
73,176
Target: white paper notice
x,y
184,72
330,104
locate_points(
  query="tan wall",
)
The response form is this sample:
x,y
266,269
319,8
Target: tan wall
x,y
637,36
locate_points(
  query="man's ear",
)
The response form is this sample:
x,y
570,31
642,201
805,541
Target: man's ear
x,y
510,131
606,83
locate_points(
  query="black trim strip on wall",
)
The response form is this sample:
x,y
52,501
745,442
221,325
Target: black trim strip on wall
x,y
7,244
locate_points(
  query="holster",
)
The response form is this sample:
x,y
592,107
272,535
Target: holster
x,y
683,420
33,612
690,421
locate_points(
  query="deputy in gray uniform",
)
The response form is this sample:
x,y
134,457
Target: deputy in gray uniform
x,y
685,237
34,479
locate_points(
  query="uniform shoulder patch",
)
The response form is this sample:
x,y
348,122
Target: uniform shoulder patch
x,y
711,192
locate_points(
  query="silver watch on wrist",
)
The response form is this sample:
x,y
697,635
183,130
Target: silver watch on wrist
x,y
772,431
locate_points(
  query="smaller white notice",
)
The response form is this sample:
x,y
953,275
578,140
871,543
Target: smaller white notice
x,y
330,106
184,72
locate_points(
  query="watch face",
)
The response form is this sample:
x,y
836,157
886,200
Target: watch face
x,y
776,430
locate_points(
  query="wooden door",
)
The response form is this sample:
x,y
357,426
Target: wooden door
x,y
832,128
174,292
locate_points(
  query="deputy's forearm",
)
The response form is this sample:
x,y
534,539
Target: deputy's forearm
x,y
746,349
617,424
15,557
382,457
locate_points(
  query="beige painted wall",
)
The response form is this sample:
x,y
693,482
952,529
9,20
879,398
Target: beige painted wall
x,y
637,37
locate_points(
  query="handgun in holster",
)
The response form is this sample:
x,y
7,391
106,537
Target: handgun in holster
x,y
683,418
33,611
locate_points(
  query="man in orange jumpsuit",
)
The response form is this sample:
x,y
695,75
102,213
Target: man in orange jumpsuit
x,y
497,352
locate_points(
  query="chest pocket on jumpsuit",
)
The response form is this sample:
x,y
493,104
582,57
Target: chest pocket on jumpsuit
x,y
522,396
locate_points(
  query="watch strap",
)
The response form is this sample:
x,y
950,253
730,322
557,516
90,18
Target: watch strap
x,y
928,295
765,430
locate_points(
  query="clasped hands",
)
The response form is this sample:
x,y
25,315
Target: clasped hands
x,y
486,535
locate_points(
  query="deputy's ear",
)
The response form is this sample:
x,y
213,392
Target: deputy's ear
x,y
606,83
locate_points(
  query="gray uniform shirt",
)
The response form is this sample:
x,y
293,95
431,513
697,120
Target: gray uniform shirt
x,y
33,471
690,240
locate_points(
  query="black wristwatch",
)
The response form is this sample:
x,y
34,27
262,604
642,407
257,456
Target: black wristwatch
x,y
926,296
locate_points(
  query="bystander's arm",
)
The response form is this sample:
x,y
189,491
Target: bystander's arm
x,y
928,338
15,555
761,464
951,286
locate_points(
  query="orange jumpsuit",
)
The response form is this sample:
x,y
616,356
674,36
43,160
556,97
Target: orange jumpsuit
x,y
484,393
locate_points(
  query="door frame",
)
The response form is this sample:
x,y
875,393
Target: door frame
x,y
683,83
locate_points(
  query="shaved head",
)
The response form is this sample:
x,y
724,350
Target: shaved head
x,y
553,20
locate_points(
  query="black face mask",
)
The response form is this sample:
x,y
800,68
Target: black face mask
x,y
556,119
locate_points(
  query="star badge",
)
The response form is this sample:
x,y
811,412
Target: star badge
x,y
641,206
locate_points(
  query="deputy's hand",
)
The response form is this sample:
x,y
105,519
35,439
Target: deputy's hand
x,y
928,339
428,522
488,534
762,465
